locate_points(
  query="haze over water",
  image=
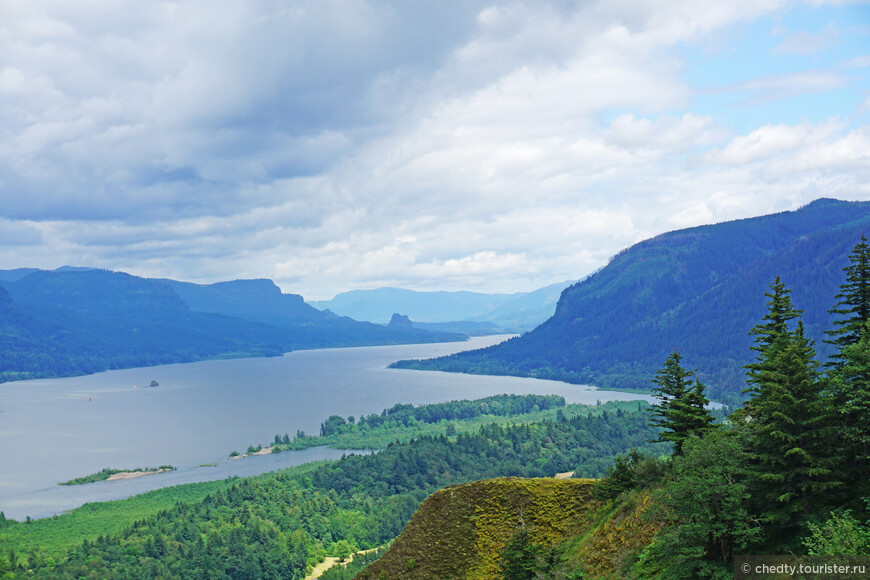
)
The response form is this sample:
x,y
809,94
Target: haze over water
x,y
58,429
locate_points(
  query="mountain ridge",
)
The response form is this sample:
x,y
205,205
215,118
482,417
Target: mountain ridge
x,y
699,290
74,321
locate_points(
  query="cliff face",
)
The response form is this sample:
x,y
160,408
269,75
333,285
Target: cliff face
x,y
460,531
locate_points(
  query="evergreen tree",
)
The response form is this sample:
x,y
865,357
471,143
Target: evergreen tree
x,y
775,326
849,388
520,558
705,500
681,410
787,419
853,302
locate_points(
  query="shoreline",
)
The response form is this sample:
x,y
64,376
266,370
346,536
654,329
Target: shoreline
x,y
121,475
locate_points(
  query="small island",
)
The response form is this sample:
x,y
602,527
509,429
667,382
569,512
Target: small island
x,y
108,474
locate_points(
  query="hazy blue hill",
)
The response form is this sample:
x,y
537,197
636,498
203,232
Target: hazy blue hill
x,y
262,301
16,274
79,321
699,290
379,305
508,312
528,310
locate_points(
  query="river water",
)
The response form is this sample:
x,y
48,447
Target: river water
x,y
58,429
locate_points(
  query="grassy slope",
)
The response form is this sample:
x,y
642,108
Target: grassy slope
x,y
460,531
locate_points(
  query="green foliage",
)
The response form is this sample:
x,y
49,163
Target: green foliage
x,y
681,410
853,306
55,536
368,434
705,502
634,471
787,420
406,415
520,559
840,535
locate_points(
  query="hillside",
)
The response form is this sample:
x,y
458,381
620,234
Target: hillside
x,y
699,290
79,321
460,532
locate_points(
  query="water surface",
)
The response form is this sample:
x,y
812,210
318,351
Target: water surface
x,y
57,429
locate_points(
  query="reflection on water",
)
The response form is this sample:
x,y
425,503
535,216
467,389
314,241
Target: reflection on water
x,y
55,430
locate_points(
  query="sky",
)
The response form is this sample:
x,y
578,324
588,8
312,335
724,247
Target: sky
x,y
333,145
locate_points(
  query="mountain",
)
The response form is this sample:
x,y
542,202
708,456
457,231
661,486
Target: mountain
x,y
507,312
699,290
527,310
78,321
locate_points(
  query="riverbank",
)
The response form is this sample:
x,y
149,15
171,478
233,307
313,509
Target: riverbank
x,y
109,474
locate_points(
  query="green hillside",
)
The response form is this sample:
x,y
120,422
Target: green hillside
x,y
699,290
459,532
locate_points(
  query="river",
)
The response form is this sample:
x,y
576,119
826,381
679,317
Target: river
x,y
57,429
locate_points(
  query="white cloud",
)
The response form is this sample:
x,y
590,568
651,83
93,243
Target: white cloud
x,y
344,143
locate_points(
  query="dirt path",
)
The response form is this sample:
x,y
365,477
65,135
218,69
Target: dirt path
x,y
329,562
321,568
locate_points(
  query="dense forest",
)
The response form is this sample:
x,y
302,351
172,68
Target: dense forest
x,y
700,288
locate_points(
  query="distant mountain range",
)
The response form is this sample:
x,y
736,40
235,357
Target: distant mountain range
x,y
500,312
79,320
699,290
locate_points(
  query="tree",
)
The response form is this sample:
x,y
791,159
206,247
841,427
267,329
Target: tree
x,y
705,502
681,410
774,327
849,389
520,557
786,419
853,302
840,535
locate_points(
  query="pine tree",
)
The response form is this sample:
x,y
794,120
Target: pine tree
x,y
787,419
849,388
775,326
853,302
682,408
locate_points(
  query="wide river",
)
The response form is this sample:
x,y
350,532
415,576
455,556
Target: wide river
x,y
58,429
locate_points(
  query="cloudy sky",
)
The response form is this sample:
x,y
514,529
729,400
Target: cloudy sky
x,y
433,145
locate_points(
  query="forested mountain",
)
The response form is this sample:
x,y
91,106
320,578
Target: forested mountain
x,y
698,290
507,312
78,321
